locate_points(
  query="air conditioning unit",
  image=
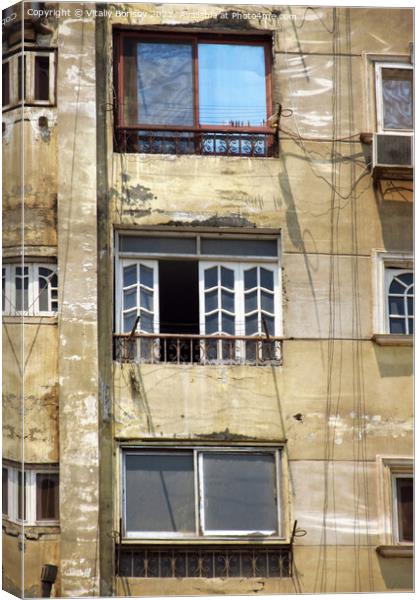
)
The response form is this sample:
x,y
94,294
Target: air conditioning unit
x,y
392,156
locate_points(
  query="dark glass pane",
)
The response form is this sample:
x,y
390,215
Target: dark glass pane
x,y
212,323
146,276
228,324
396,325
396,287
130,275
130,298
396,305
269,322
232,88
267,279
158,83
210,277
47,496
251,301
146,299
45,272
237,247
410,326
5,491
160,493
5,84
406,278
251,278
228,278
211,300
251,324
21,495
239,492
158,245
42,77
146,322
228,301
267,302
405,508
21,83
129,320
54,280
397,94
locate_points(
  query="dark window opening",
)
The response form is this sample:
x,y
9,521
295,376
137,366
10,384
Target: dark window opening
x,y
179,307
47,496
42,77
5,490
21,495
21,83
6,84
405,508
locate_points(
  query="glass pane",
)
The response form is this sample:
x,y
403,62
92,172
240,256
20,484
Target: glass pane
x,y
158,245
212,323
21,495
158,83
54,280
5,490
210,277
42,77
396,325
45,272
160,493
146,322
129,320
251,278
5,84
228,301
267,279
146,276
411,326
232,88
396,305
211,300
239,492
130,298
146,299
47,496
396,287
269,321
228,324
397,94
406,278
405,508
129,275
251,325
235,247
43,294
251,302
21,83
267,302
228,278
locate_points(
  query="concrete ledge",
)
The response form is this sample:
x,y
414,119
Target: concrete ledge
x,y
392,339
27,320
395,551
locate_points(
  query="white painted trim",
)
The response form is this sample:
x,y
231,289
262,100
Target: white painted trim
x,y
395,519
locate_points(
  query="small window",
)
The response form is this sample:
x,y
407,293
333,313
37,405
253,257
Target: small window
x,y
30,496
21,78
213,96
42,77
29,79
6,84
31,289
400,296
394,97
237,493
404,508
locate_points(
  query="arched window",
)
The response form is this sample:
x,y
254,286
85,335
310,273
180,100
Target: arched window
x,y
400,300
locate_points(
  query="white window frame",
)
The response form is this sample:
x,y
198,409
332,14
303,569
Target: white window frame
x,y
382,261
232,262
390,273
389,468
200,532
29,96
152,264
12,497
379,65
33,289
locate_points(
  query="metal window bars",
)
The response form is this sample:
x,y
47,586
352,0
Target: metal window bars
x,y
197,349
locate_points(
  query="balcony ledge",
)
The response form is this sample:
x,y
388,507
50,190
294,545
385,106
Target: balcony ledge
x,y
392,339
395,551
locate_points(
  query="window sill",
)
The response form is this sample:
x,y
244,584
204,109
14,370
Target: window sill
x,y
395,551
201,542
30,320
392,339
33,531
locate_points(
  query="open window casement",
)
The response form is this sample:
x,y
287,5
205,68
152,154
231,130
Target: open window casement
x,y
139,296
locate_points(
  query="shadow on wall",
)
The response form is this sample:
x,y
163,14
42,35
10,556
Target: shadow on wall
x,y
396,218
397,573
394,361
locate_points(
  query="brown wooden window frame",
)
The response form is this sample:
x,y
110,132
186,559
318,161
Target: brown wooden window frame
x,y
120,35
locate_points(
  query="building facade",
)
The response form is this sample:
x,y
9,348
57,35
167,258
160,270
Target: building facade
x,y
207,299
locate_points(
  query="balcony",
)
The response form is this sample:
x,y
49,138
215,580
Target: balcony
x,y
197,349
216,142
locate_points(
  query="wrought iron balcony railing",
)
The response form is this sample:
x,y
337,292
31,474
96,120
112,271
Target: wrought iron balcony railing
x,y
204,562
197,349
217,142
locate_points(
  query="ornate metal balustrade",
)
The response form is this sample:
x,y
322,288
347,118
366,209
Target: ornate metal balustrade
x,y
206,563
197,349
217,143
